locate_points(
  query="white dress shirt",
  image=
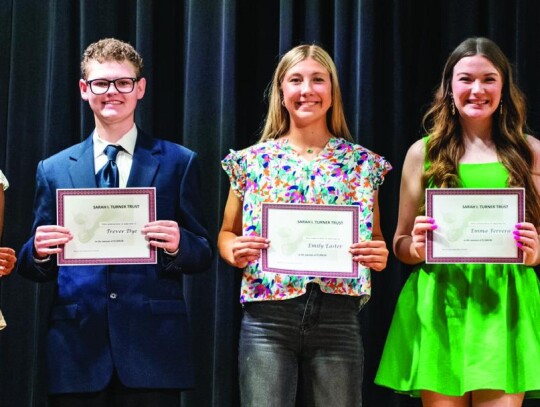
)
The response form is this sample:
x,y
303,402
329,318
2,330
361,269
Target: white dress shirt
x,y
124,159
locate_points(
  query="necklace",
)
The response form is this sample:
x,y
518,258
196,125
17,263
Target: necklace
x,y
307,150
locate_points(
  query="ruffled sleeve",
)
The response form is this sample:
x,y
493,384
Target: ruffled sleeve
x,y
234,165
380,168
369,168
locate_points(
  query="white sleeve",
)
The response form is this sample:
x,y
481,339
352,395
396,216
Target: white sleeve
x,y
3,180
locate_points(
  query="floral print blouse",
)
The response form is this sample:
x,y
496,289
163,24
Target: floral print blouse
x,y
342,174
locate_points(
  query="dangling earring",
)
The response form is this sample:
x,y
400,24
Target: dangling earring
x,y
452,105
500,107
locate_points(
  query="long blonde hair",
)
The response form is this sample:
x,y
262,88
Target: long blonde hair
x,y
445,145
277,121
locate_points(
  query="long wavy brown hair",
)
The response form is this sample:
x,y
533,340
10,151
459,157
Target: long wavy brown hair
x,y
277,121
445,145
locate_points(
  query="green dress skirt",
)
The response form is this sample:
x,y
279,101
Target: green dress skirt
x,y
464,327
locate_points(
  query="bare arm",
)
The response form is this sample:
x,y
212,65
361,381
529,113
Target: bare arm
x,y
410,235
7,255
235,249
526,234
372,253
1,210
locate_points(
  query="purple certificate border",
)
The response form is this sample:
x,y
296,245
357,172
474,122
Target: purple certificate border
x,y
150,192
430,193
309,207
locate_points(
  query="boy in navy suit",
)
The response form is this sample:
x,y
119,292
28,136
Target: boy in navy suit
x,y
119,334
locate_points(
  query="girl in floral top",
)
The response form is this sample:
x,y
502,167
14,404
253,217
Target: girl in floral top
x,y
305,155
7,255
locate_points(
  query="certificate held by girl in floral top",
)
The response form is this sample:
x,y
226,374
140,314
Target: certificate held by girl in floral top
x,y
310,240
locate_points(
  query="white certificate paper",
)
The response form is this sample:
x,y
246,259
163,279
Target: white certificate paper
x,y
106,225
474,225
311,240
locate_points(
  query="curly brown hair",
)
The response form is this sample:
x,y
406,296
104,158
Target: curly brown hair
x,y
111,49
444,147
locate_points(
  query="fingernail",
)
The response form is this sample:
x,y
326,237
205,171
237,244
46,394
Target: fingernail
x,y
519,244
433,227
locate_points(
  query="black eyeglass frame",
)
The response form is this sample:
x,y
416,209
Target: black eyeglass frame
x,y
133,81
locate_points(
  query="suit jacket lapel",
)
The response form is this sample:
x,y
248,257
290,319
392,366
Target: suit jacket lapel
x,y
143,169
145,162
81,170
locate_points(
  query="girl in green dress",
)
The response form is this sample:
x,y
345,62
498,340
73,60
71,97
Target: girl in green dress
x,y
468,334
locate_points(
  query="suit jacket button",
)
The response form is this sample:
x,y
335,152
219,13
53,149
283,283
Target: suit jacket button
x,y
112,296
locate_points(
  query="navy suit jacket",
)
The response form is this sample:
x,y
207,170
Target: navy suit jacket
x,y
131,318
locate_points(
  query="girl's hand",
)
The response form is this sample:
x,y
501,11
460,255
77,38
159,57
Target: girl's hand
x,y
370,253
247,249
421,225
526,238
7,260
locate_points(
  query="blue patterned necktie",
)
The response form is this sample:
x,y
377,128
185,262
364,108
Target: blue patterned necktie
x,y
107,176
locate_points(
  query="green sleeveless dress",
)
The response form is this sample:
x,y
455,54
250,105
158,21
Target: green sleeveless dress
x,y
463,327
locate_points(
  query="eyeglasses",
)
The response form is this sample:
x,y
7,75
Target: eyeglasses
x,y
122,85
